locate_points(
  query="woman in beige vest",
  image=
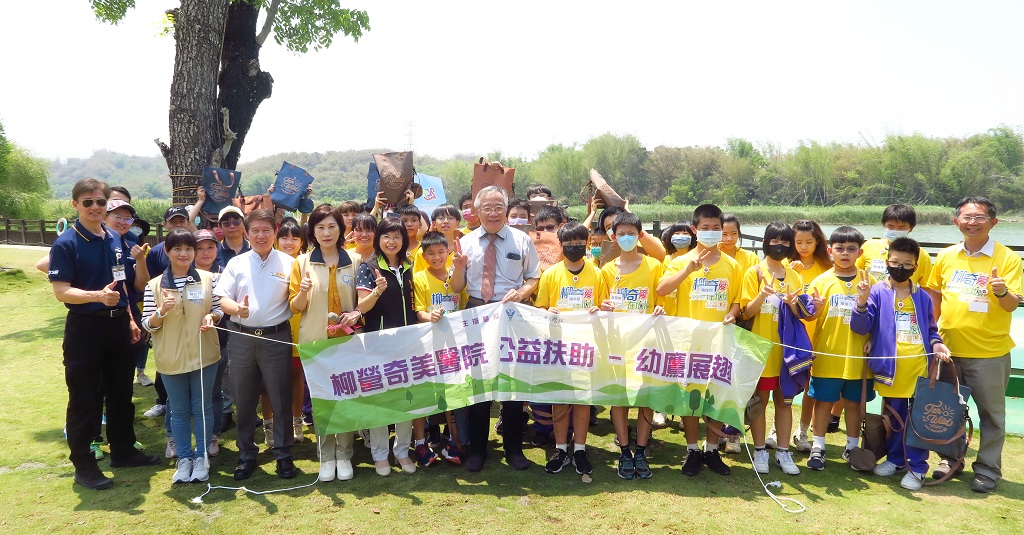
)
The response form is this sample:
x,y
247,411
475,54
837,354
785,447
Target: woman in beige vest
x,y
179,308
323,289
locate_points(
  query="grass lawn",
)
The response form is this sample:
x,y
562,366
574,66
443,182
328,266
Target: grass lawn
x,y
37,491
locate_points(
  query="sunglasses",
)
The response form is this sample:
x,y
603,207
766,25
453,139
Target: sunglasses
x,y
547,228
232,222
99,202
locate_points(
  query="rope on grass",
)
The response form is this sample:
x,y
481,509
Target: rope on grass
x,y
778,499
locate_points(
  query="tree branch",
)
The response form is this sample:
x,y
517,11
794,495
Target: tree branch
x,y
229,135
268,24
164,149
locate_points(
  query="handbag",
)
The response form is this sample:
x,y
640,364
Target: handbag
x,y
396,174
252,202
939,418
875,430
604,192
291,187
221,185
493,174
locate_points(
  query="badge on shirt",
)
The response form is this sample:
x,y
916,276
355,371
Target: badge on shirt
x,y
878,267
118,272
194,293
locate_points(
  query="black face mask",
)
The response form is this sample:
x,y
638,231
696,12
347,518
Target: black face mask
x,y
900,273
574,253
777,252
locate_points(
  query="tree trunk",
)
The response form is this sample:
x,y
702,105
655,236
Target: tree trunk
x,y
243,86
193,114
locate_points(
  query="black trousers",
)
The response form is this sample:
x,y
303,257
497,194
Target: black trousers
x,y
98,361
512,421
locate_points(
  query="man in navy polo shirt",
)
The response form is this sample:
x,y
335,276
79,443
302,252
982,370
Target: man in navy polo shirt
x,y
87,270
232,225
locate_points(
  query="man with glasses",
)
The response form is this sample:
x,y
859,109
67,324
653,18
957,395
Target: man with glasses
x,y
231,222
88,273
502,266
976,284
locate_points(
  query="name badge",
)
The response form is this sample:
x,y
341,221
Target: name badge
x,y
617,300
118,272
978,306
194,293
902,322
448,306
878,267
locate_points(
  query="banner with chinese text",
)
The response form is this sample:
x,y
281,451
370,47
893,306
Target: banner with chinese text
x,y
516,352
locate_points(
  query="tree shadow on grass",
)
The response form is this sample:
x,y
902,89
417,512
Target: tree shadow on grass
x,y
51,329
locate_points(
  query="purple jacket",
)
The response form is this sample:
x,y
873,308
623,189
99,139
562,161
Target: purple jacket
x,y
879,321
797,358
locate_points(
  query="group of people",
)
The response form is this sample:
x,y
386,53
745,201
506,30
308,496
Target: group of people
x,y
269,283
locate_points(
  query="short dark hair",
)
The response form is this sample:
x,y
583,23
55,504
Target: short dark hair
x,y
350,206
319,214
518,203
679,226
407,209
386,225
260,215
572,232
900,212
468,196
446,209
549,212
122,190
537,189
179,237
905,245
433,237
706,211
983,201
364,221
85,185
610,211
627,218
730,218
779,230
846,234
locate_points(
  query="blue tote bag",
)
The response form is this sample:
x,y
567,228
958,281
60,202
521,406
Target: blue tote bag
x,y
939,419
221,186
291,187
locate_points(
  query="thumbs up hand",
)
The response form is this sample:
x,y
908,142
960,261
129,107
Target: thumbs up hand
x,y
997,283
109,296
306,284
243,308
381,282
170,298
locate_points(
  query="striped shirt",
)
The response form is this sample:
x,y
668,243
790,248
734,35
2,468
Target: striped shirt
x,y
149,302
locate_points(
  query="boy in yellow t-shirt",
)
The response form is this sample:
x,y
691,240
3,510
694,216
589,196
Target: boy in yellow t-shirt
x,y
570,286
410,216
834,378
707,286
767,287
436,292
629,284
898,220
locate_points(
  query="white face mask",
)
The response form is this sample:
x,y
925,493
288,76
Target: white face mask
x,y
893,234
517,221
709,238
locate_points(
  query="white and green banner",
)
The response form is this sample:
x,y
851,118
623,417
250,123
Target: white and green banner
x,y
516,352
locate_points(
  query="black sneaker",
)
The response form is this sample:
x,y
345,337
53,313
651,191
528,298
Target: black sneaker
x,y
817,459
307,419
833,424
559,460
135,458
713,460
92,478
541,440
582,463
694,459
627,467
643,471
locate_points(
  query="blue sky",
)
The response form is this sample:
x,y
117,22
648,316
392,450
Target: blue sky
x,y
516,77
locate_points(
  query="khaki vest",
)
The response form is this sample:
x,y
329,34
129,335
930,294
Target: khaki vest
x,y
313,325
176,342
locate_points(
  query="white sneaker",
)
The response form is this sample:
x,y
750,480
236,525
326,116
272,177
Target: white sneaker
x,y
200,470
912,481
770,441
801,443
184,472
658,420
886,469
143,379
155,411
171,452
784,460
732,444
268,432
408,467
345,472
761,461
297,427
328,470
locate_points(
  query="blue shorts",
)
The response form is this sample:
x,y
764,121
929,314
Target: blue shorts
x,y
828,390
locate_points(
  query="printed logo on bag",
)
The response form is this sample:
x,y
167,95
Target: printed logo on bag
x,y
429,195
391,177
290,185
219,192
938,417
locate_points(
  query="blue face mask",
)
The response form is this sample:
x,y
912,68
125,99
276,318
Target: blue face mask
x,y
627,243
893,234
680,241
595,252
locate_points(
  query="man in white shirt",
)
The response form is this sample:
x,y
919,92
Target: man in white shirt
x,y
254,292
502,266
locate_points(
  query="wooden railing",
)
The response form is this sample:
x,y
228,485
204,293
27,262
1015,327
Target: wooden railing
x,y
43,232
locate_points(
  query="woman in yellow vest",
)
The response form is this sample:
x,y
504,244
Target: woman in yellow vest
x,y
179,308
323,289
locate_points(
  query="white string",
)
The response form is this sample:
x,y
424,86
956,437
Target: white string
x,y
852,356
778,499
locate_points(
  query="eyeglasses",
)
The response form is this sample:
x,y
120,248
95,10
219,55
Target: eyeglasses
x,y
233,222
391,238
547,228
904,266
99,202
492,208
122,219
966,218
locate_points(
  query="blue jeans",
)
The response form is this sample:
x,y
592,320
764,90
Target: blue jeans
x,y
918,458
190,399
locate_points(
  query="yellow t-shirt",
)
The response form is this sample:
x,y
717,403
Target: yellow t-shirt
x,y
766,321
909,341
668,302
431,293
419,262
830,332
634,292
808,275
560,289
708,292
972,324
876,253
746,259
